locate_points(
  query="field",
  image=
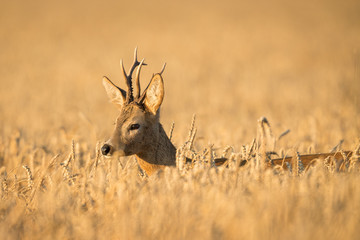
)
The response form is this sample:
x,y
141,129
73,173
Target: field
x,y
228,62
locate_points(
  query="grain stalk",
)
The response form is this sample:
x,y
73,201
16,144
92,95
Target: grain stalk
x,y
171,130
30,178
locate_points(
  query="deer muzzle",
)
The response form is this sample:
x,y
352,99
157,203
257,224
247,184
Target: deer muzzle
x,y
109,150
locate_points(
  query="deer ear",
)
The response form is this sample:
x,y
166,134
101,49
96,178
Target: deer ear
x,y
154,94
116,95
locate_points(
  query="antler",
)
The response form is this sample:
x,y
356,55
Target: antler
x,y
163,69
128,78
137,80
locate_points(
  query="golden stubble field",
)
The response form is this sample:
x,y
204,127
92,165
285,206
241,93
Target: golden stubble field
x,y
229,62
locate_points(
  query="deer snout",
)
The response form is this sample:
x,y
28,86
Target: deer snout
x,y
106,149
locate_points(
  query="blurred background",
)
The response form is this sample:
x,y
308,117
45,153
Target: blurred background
x,y
229,62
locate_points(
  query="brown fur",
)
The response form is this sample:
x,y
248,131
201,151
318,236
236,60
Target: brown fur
x,y
159,155
152,147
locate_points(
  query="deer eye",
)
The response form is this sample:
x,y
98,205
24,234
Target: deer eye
x,y
134,126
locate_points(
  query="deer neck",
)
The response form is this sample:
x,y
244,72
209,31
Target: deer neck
x,y
159,155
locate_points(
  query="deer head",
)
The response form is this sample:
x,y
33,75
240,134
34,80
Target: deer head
x,y
137,126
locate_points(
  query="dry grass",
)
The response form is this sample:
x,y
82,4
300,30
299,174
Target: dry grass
x,y
230,63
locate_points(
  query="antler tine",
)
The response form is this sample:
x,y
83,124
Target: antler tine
x,y
123,69
129,94
135,63
163,69
137,80
135,54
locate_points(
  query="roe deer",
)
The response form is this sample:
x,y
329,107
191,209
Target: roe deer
x,y
138,130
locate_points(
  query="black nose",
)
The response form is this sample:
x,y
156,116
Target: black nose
x,y
105,149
